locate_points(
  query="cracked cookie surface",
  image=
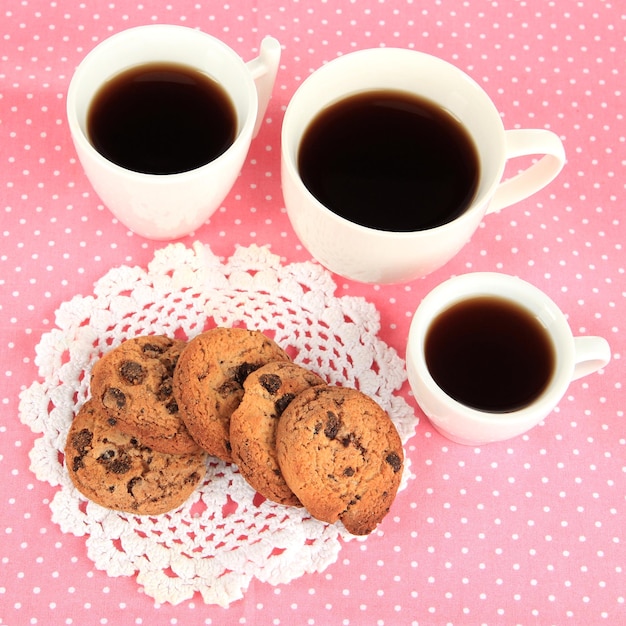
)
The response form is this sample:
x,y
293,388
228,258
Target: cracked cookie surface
x,y
209,378
117,471
267,392
133,382
341,455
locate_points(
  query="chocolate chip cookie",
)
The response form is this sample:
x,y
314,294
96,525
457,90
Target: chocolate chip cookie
x,y
134,383
341,455
117,471
267,392
209,377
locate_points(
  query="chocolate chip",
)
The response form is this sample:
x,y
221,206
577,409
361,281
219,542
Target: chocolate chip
x,y
270,382
244,370
170,365
172,407
117,464
82,440
351,438
165,389
283,402
394,460
333,424
133,373
131,484
120,466
114,398
152,350
349,471
192,478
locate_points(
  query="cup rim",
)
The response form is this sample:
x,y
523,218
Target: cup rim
x,y
290,145
79,136
492,283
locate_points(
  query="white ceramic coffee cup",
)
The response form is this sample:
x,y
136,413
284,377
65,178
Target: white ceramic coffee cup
x,y
376,256
172,205
575,357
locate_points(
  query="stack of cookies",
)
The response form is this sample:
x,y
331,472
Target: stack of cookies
x,y
159,405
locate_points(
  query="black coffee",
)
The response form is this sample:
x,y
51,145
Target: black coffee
x,y
389,160
490,354
161,118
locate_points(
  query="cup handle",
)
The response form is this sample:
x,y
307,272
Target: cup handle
x,y
592,353
525,142
264,69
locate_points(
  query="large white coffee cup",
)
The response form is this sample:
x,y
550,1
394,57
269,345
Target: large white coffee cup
x,y
171,205
376,256
574,357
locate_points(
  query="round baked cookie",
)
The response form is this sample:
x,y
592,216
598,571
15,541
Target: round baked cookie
x,y
267,392
115,470
208,381
134,383
341,455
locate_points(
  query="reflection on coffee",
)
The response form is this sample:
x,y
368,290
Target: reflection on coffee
x,y
161,118
389,160
490,354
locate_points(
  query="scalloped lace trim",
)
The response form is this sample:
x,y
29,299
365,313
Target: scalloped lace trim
x,y
225,534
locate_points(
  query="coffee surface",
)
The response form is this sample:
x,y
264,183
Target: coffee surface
x,y
161,118
389,160
490,354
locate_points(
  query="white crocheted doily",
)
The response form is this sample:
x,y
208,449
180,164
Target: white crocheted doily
x,y
225,534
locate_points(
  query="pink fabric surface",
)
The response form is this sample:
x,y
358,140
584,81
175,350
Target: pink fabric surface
x,y
526,531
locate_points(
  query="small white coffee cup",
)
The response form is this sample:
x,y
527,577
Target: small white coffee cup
x,y
377,256
168,206
574,357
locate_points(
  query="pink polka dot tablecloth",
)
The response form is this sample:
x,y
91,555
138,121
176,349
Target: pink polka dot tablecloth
x,y
526,531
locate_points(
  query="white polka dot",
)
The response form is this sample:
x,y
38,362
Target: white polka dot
x,y
534,519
